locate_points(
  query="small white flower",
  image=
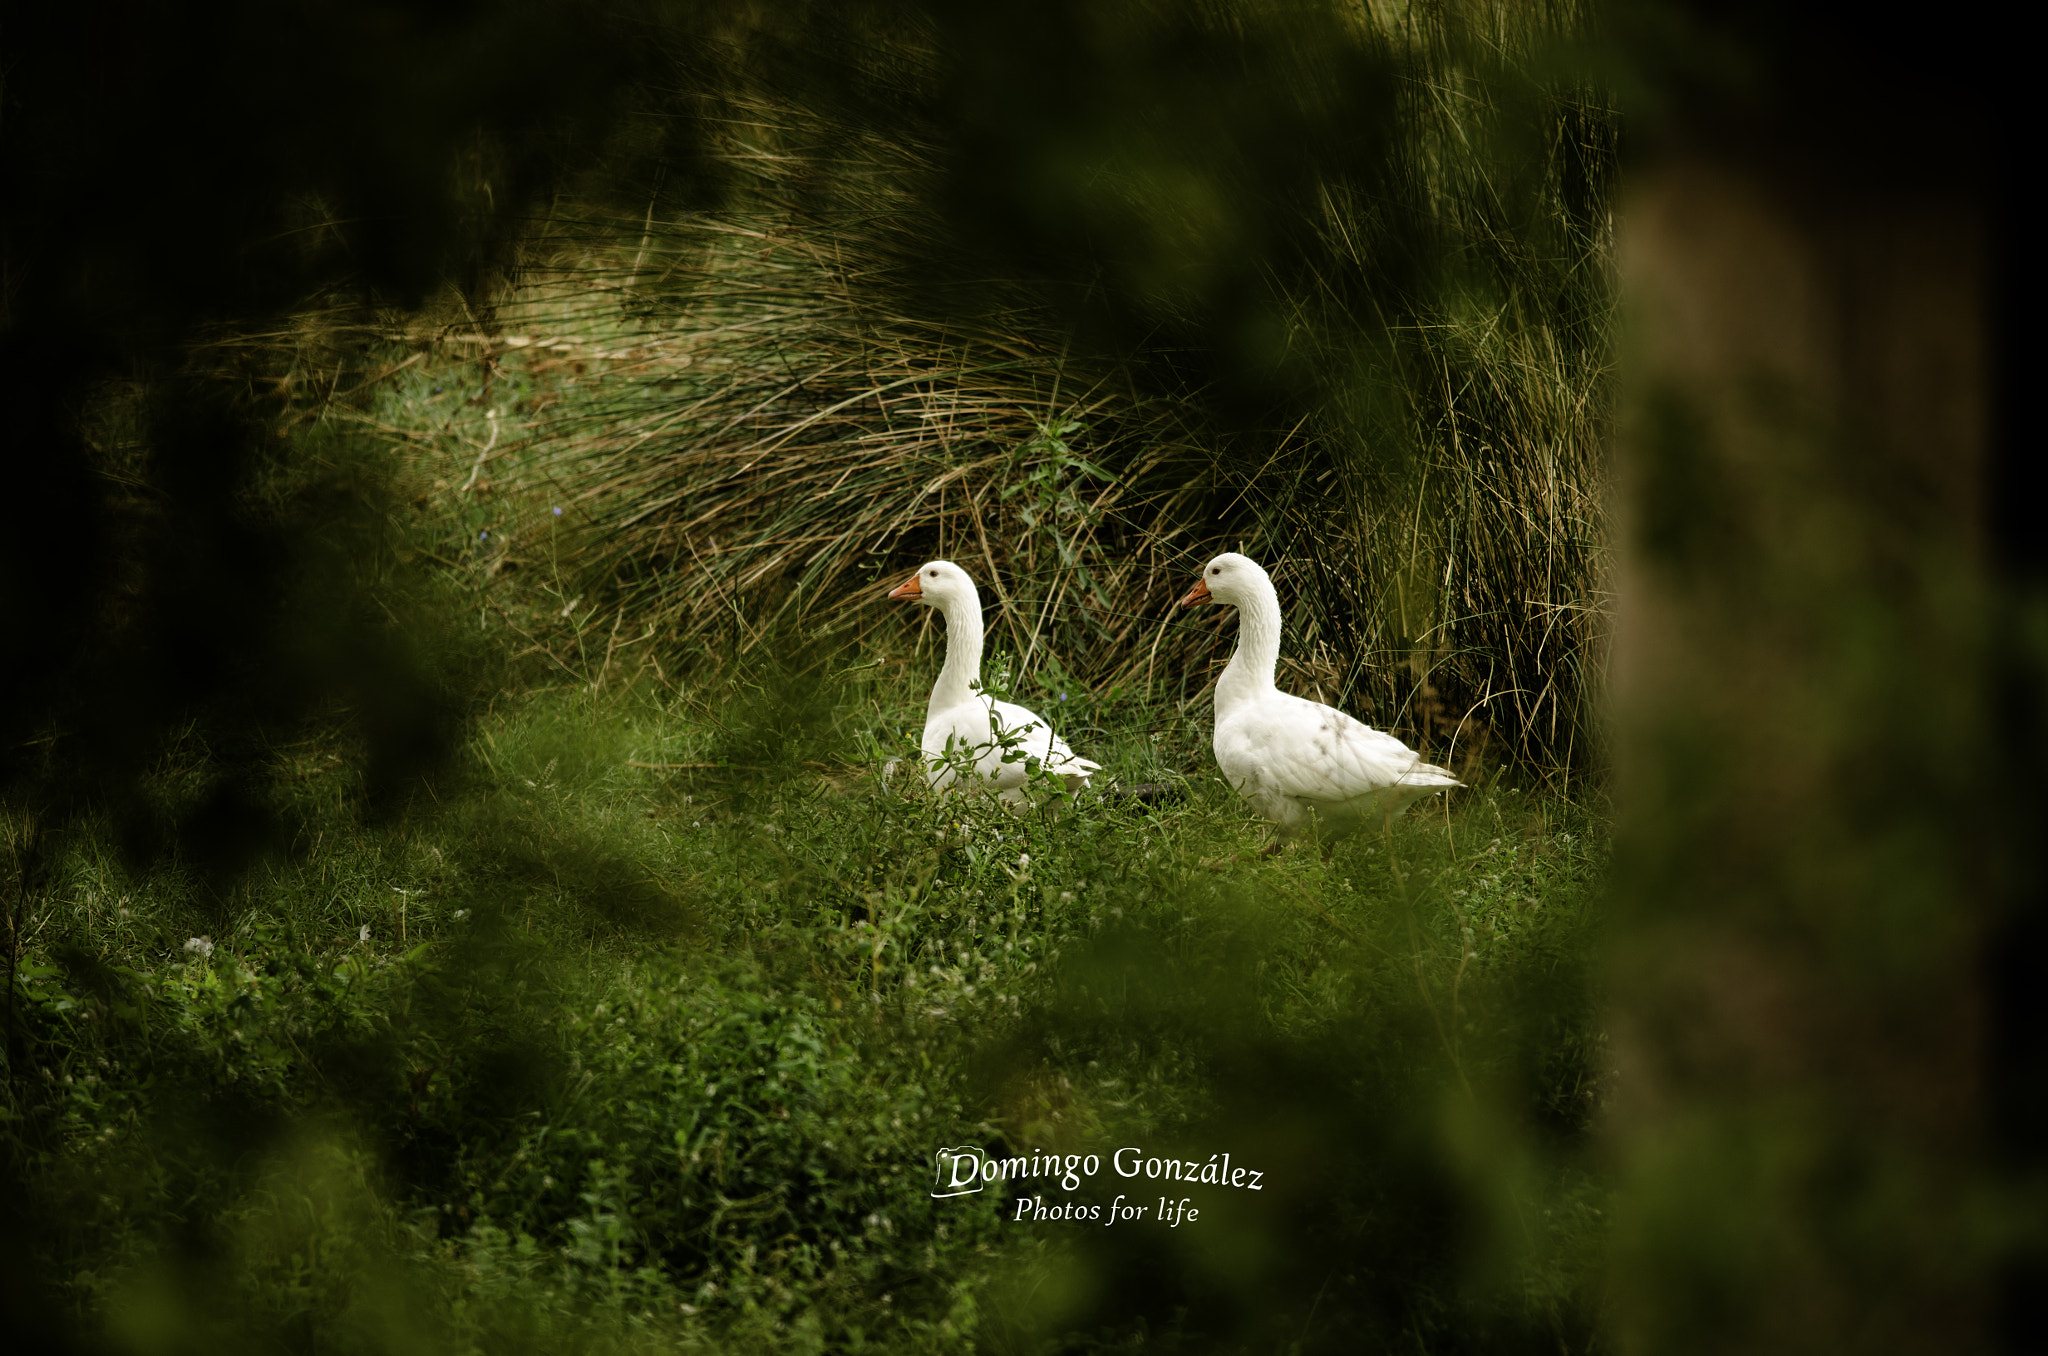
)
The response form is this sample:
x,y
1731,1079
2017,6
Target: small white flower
x,y
1023,861
201,947
461,914
364,935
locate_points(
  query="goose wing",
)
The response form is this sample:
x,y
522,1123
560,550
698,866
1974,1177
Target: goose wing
x,y
1307,751
981,725
1038,741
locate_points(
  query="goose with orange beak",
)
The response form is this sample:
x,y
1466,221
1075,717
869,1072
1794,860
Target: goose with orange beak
x,y
966,731
1305,767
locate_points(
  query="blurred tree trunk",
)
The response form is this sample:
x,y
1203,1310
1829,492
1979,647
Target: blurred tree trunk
x,y
1805,670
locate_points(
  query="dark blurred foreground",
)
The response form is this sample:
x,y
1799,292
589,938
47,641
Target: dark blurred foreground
x,y
1829,692
1827,1130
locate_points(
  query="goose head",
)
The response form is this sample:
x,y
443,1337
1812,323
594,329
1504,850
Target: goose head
x,y
1230,579
940,584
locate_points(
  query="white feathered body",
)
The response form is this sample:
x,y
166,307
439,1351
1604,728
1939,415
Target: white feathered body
x,y
966,728
977,727
1301,765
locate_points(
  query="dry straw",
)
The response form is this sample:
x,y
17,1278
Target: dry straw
x,y
759,421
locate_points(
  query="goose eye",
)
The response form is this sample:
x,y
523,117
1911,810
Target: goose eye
x,y
1217,570
934,574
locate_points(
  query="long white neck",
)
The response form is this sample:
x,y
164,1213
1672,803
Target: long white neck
x,y
1251,669
963,652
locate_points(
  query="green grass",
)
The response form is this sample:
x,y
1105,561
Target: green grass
x,y
637,1023
634,1021
640,1024
1331,286
588,1055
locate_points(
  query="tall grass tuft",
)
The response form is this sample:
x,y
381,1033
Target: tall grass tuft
x,y
1329,286
771,446
1333,291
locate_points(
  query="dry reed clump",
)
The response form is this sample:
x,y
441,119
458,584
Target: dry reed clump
x,y
757,418
1445,496
1426,484
756,451
1461,597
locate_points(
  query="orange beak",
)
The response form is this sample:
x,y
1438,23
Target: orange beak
x,y
1198,594
908,588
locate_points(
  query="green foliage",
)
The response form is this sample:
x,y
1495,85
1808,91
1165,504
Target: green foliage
x,y
626,1041
726,1140
514,949
1078,297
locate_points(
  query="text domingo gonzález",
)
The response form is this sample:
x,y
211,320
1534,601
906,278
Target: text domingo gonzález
x,y
965,1169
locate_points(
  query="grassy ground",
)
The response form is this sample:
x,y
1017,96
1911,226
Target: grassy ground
x,y
649,1030
639,1023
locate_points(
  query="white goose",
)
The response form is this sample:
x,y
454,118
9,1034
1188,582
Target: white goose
x,y
1304,766
967,720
